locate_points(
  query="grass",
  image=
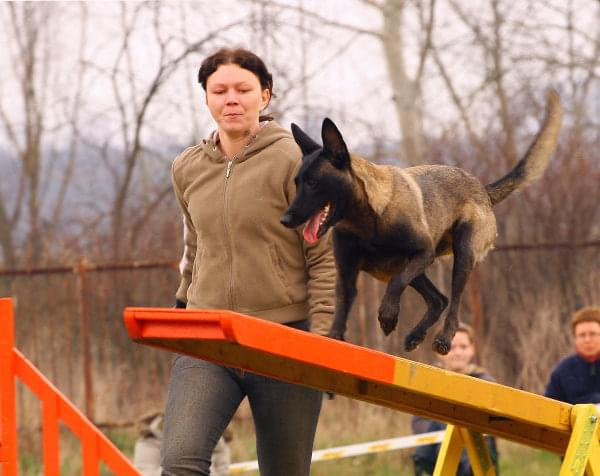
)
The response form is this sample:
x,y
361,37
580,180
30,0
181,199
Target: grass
x,y
518,460
31,463
343,421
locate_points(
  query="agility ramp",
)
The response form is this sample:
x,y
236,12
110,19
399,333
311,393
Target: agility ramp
x,y
471,406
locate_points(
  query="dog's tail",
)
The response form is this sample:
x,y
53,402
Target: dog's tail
x,y
536,159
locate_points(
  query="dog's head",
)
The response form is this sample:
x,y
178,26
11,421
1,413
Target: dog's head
x,y
323,185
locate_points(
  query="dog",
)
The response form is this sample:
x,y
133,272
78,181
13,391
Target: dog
x,y
393,223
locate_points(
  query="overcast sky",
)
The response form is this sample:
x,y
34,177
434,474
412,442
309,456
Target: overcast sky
x,y
347,73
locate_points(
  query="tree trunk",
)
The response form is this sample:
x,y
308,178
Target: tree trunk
x,y
406,92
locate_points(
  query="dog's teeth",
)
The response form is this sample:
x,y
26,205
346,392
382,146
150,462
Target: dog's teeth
x,y
325,214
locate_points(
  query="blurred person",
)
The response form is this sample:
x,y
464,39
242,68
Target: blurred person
x,y
146,452
459,359
576,378
233,189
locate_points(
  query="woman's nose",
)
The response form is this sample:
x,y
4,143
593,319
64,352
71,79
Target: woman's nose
x,y
231,97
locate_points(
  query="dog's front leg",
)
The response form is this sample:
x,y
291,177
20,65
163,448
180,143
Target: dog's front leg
x,y
390,305
347,265
345,293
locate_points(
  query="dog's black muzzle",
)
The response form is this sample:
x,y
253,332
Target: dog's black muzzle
x,y
288,220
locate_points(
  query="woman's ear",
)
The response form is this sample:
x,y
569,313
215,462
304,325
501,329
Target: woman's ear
x,y
266,98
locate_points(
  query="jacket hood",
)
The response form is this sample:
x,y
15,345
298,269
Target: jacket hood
x,y
269,133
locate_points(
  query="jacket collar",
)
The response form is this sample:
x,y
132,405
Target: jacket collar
x,y
590,360
269,133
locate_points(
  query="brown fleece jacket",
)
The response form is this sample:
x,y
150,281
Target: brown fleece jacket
x,y
238,255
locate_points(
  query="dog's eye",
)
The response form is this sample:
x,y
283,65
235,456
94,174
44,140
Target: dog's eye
x,y
310,183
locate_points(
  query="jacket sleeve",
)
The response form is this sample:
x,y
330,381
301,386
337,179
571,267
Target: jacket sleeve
x,y
321,283
592,397
420,424
186,264
554,388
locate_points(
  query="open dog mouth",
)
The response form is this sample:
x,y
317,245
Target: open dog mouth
x,y
315,226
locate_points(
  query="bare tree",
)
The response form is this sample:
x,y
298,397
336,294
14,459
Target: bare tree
x,y
31,129
134,99
406,86
26,25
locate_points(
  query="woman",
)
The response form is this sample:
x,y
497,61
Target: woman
x,y
459,359
233,188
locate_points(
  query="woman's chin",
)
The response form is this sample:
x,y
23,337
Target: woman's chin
x,y
237,131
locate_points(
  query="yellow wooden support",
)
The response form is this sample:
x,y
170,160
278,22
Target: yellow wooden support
x,y
479,456
450,451
593,464
583,451
455,440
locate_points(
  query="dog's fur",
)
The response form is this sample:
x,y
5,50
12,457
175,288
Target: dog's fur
x,y
393,223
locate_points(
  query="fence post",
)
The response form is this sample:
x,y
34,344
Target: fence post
x,y
8,420
86,341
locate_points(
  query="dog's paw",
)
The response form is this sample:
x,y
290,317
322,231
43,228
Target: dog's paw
x,y
412,340
441,345
387,324
388,317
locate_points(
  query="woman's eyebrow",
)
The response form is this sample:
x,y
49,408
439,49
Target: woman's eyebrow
x,y
239,83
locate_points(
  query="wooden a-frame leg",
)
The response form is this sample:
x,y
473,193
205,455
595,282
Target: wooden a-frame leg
x,y
455,440
583,451
479,455
450,450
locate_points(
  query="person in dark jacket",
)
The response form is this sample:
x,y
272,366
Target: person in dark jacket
x,y
576,378
459,359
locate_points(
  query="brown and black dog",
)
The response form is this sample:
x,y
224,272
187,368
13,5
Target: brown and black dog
x,y
393,222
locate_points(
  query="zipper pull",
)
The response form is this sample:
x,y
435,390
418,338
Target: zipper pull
x,y
229,164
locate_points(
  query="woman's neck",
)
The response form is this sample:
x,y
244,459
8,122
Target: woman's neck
x,y
232,144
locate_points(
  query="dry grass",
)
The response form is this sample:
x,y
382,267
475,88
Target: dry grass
x,y
344,421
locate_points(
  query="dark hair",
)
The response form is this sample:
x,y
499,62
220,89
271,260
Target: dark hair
x,y
244,59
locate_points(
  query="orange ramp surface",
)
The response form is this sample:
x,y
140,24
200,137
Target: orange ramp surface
x,y
357,372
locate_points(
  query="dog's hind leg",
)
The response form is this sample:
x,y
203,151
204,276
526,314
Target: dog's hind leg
x,y
436,303
390,305
464,262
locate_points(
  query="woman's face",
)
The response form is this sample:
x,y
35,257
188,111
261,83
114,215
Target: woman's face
x,y
234,98
461,353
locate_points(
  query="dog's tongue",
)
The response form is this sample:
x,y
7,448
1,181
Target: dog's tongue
x,y
312,227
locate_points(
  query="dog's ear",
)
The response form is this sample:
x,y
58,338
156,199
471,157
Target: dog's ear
x,y
334,144
307,145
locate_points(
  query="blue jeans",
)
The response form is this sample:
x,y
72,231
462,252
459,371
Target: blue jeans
x,y
202,400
